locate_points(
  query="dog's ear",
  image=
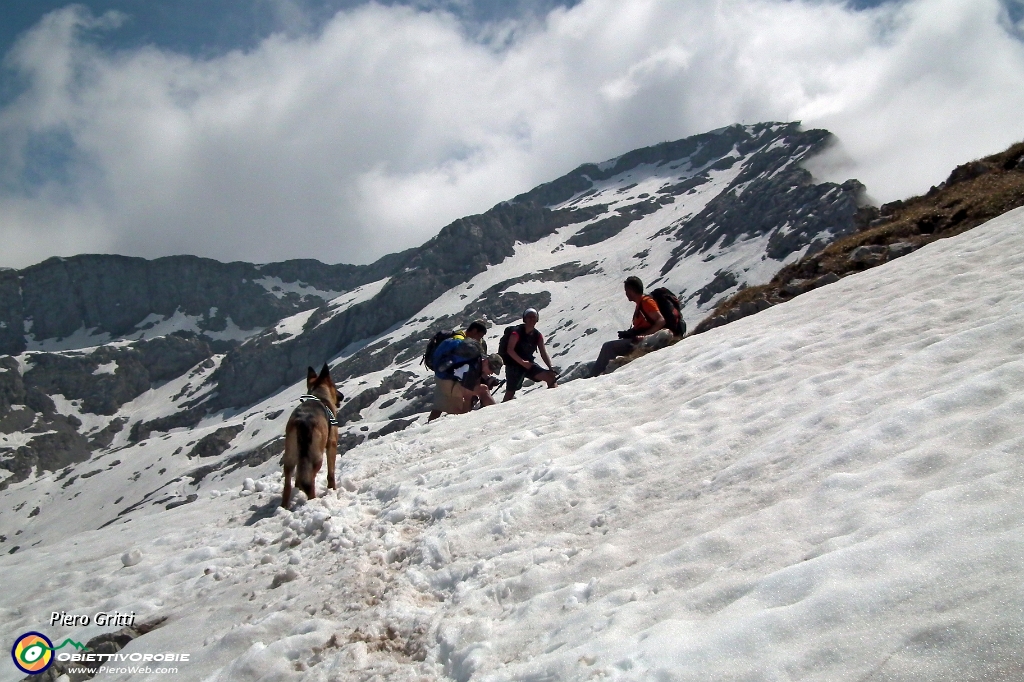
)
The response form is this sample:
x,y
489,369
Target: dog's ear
x,y
310,378
325,375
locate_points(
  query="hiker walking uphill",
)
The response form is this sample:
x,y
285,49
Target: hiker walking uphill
x,y
461,369
648,319
517,347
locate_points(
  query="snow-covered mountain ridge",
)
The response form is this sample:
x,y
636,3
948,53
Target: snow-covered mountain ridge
x,y
89,300
830,490
703,216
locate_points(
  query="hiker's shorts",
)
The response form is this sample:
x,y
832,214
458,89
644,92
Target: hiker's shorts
x,y
450,396
515,374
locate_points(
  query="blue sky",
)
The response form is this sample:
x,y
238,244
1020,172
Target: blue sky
x,y
213,127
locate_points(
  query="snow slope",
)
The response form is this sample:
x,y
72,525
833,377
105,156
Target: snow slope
x,y
827,490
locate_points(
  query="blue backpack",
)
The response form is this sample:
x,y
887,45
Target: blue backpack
x,y
453,353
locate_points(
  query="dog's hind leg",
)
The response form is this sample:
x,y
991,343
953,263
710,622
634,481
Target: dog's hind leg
x,y
299,452
332,455
286,494
288,461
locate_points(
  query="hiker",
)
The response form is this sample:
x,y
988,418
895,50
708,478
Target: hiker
x,y
519,345
647,320
460,364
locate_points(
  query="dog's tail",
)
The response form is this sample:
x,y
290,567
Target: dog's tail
x,y
304,468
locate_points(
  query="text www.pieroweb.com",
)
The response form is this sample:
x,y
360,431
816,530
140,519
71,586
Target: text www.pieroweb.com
x,y
121,670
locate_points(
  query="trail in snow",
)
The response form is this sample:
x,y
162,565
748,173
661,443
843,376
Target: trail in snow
x,y
828,490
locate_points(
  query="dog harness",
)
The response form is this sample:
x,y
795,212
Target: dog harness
x,y
331,418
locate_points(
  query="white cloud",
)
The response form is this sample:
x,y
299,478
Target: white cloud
x,y
370,135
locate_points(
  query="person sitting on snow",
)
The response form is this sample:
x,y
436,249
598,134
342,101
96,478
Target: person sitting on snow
x,y
647,320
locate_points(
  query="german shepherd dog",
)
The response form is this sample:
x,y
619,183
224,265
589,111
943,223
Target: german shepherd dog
x,y
309,435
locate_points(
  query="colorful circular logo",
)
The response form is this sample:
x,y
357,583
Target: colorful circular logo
x,y
32,653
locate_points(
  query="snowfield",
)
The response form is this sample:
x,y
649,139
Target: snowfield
x,y
832,489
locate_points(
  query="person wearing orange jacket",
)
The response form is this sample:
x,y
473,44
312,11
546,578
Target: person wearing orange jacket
x,y
647,320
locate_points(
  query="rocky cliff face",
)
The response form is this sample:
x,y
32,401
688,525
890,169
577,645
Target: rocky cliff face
x,y
179,372
96,382
90,299
973,194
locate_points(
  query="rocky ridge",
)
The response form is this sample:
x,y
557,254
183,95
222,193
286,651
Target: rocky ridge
x,y
91,299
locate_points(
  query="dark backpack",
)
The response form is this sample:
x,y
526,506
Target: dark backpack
x,y
503,343
428,354
668,306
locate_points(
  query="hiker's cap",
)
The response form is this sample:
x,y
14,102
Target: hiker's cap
x,y
531,311
495,362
